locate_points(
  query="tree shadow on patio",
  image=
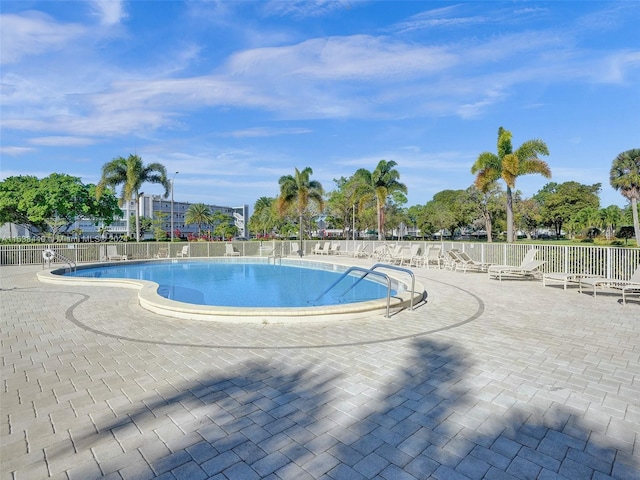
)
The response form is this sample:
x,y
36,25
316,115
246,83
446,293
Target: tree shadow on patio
x,y
323,419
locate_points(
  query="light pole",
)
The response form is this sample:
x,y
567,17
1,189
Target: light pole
x,y
172,181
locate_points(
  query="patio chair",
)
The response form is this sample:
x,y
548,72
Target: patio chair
x,y
431,257
565,278
112,253
295,249
626,287
451,259
325,249
229,251
184,252
529,267
334,249
412,257
465,262
163,252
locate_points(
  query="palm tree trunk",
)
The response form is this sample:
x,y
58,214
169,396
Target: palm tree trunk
x,y
636,222
509,215
137,217
488,227
301,229
379,211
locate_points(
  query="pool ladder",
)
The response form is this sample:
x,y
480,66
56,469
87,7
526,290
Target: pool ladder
x,y
50,255
372,271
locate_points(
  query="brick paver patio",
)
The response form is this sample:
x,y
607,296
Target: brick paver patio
x,y
486,380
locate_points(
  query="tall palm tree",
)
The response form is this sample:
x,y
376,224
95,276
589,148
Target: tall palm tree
x,y
298,191
625,176
509,165
381,183
131,173
198,214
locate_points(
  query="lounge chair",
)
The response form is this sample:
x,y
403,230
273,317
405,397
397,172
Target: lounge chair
x,y
431,257
334,249
564,278
230,251
408,255
295,249
325,249
380,252
184,252
626,287
464,262
528,268
112,253
163,252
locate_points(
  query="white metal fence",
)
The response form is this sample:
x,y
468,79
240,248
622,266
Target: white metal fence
x,y
613,262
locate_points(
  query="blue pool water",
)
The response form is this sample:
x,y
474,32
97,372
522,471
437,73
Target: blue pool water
x,y
244,284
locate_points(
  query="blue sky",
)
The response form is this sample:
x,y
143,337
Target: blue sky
x,y
233,95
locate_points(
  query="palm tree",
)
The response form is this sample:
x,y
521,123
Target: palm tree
x,y
625,176
263,218
297,191
131,173
198,214
509,165
381,183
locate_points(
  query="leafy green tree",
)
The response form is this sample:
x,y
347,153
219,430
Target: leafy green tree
x,y
159,233
198,214
53,203
297,192
486,205
509,165
14,208
131,174
562,202
625,177
265,216
382,183
611,217
343,203
223,226
528,216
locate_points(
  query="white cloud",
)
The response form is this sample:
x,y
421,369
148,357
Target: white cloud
x,y
33,33
110,12
15,151
58,141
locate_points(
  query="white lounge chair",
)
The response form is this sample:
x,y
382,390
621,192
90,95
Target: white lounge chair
x,y
432,257
112,253
295,249
325,249
184,252
528,268
564,278
408,255
163,252
464,262
626,287
230,251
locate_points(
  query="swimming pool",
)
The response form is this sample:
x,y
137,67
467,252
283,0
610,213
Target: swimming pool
x,y
149,298
245,284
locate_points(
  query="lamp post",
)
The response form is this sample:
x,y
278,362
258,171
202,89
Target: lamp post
x,y
172,181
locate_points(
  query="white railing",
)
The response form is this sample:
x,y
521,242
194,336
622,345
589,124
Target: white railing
x,y
613,262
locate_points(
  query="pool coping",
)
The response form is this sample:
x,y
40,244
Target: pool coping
x,y
150,300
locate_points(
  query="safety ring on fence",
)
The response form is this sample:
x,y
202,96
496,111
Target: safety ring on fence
x,y
48,255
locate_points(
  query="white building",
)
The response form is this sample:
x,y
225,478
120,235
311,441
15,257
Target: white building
x,y
148,206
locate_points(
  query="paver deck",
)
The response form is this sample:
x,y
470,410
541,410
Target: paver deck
x,y
486,379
